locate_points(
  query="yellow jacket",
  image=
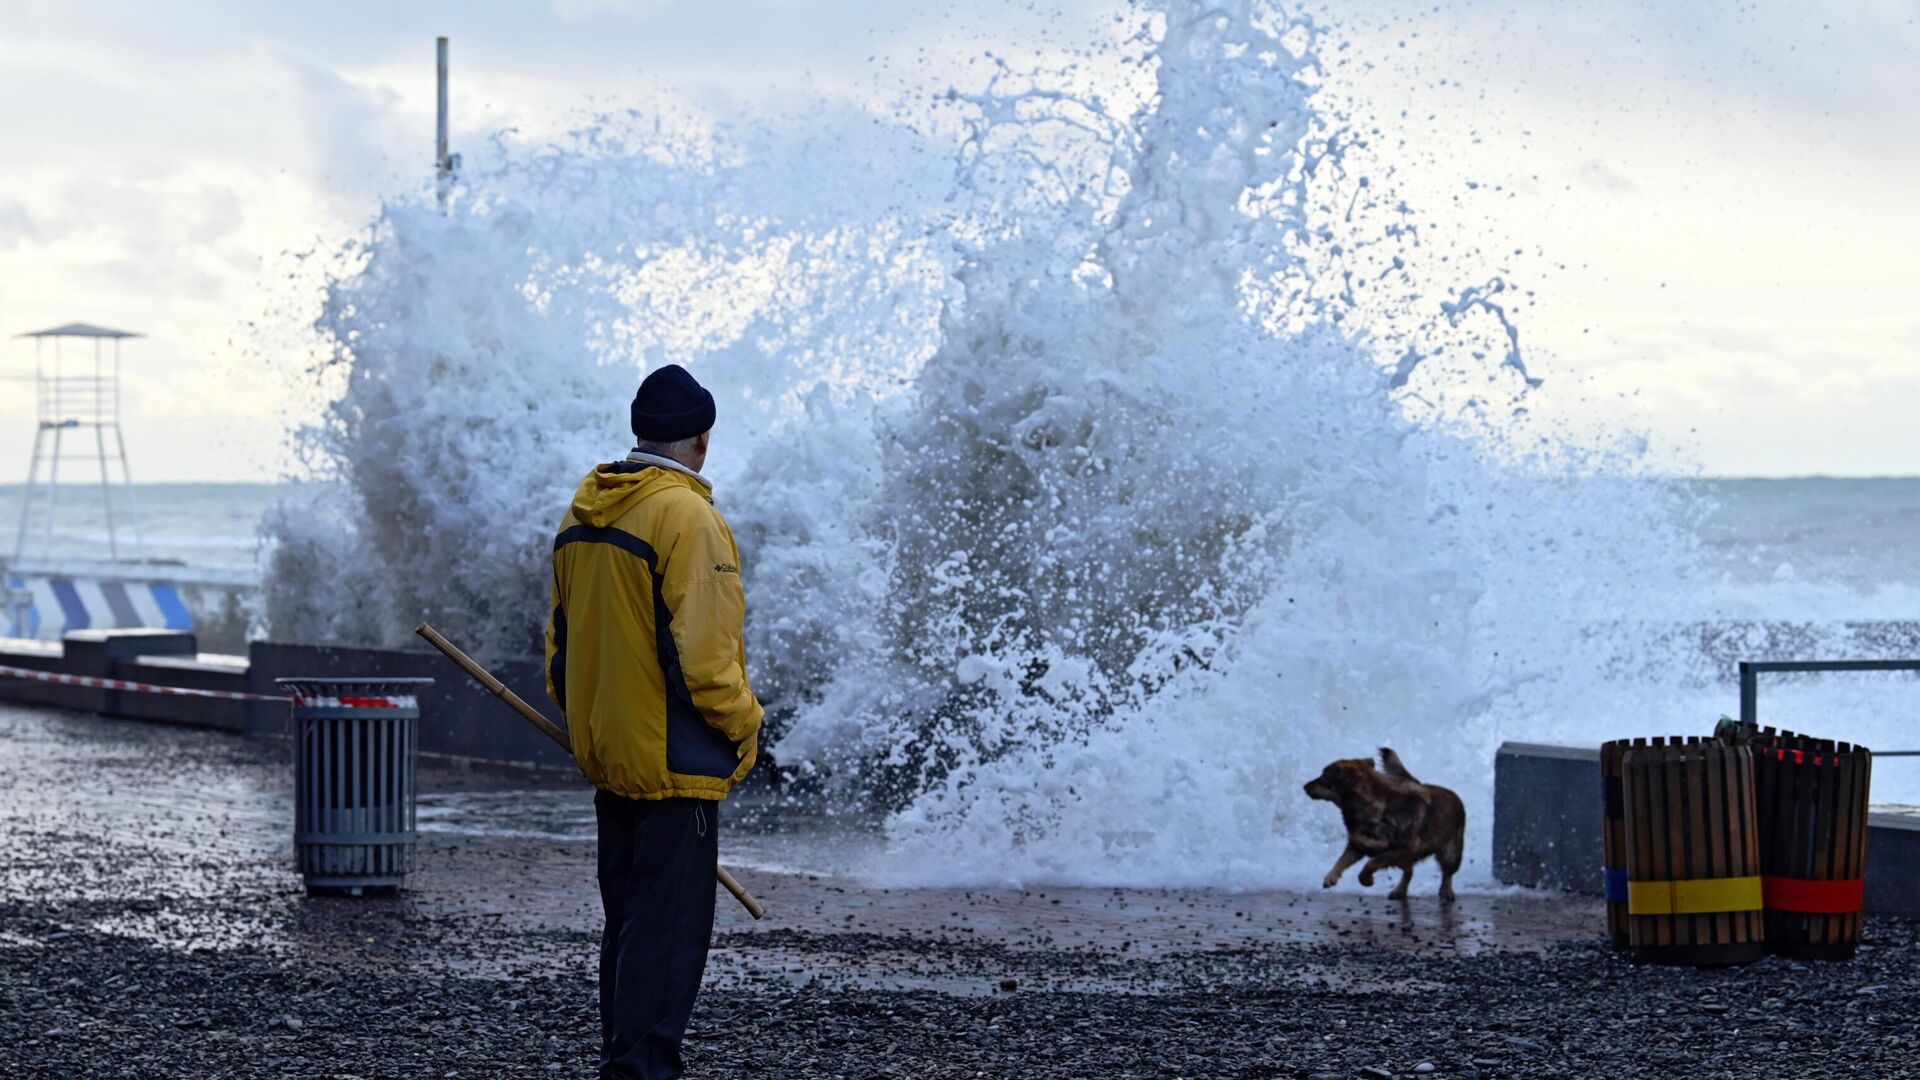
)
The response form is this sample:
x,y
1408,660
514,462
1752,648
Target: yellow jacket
x,y
645,655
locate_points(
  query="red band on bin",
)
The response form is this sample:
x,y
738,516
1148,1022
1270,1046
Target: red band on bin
x,y
349,701
1800,757
1808,897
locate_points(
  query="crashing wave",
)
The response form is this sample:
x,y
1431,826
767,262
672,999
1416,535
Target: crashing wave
x,y
1104,463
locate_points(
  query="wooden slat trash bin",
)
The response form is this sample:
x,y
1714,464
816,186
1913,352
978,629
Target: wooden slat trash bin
x,y
1613,837
1694,894
1812,795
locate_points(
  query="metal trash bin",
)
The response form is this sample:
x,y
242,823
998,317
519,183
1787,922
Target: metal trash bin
x,y
354,765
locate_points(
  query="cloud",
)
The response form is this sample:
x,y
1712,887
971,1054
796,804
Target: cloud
x,y
575,10
1594,173
352,135
161,157
1770,395
16,224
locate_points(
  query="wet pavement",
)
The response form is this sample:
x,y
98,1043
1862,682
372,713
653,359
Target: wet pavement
x,y
151,924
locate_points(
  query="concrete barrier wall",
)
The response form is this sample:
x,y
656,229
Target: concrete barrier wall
x,y
1546,829
458,718
97,653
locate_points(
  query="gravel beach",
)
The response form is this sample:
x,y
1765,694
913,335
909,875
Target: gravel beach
x,y
150,925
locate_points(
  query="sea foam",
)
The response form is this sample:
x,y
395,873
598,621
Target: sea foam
x,y
1104,462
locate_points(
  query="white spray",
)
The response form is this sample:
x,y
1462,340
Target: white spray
x,y
1090,503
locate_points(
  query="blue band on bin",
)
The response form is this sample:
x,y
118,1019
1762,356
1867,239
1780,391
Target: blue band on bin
x,y
1616,885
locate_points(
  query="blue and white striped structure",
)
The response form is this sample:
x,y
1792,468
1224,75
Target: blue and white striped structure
x,y
57,604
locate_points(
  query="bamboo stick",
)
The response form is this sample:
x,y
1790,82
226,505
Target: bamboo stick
x,y
533,716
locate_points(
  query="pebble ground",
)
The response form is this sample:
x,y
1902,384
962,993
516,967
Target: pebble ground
x,y
150,927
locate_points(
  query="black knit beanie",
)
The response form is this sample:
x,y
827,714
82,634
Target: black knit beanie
x,y
671,406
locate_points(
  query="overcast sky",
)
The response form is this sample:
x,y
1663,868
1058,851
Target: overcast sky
x,y
1713,202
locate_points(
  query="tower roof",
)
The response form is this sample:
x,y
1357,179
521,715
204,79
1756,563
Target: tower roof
x,y
75,329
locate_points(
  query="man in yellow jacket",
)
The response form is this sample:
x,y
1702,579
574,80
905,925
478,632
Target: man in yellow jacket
x,y
645,658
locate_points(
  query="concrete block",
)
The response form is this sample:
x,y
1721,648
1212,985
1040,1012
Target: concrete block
x,y
196,672
1893,864
36,656
100,653
1547,817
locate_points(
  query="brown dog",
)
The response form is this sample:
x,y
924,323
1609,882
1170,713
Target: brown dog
x,y
1392,820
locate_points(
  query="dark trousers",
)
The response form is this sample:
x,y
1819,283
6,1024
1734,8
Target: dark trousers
x,y
657,860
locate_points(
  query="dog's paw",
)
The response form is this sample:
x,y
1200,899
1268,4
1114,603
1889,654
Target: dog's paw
x,y
1366,879
1398,894
1446,895
1329,881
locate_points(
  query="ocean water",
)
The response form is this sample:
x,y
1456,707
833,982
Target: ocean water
x,y
1851,538
1112,445
216,525
1818,547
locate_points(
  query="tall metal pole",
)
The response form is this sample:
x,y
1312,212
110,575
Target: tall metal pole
x,y
442,159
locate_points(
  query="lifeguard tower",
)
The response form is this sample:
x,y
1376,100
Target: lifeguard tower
x,y
76,399
54,586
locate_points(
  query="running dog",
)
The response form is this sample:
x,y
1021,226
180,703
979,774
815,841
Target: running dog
x,y
1393,820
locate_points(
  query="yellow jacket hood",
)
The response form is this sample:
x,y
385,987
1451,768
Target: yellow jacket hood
x,y
612,489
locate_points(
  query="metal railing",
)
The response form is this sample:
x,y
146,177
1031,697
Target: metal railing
x,y
1751,670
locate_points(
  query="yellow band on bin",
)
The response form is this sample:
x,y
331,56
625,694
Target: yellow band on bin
x,y
1701,896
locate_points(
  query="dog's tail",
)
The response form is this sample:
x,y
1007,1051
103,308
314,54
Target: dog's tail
x,y
1390,764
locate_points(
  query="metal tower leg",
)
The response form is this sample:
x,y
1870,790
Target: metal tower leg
x,y
26,501
53,486
106,492
133,497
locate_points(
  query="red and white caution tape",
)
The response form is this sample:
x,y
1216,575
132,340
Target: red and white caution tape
x,y
98,683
